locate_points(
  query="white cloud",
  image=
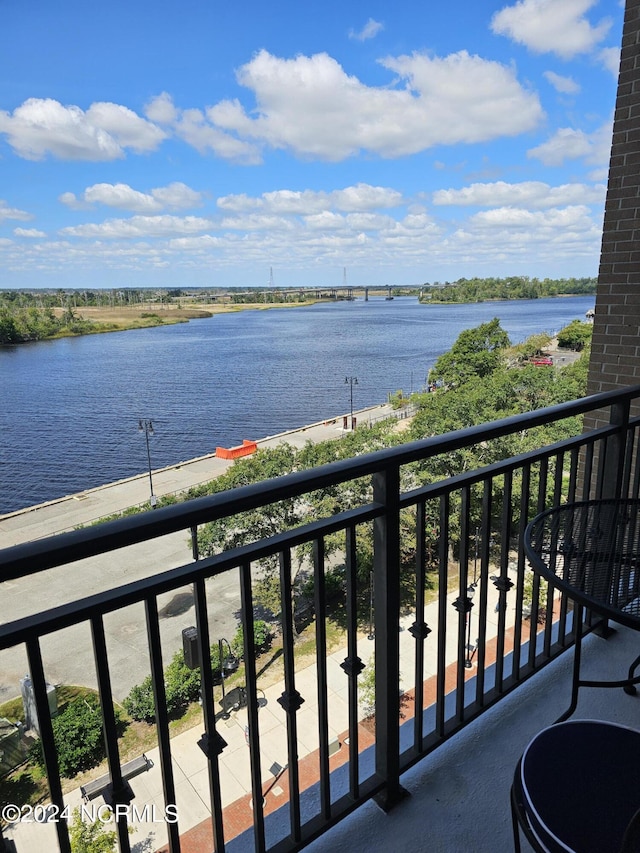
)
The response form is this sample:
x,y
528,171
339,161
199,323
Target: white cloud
x,y
564,85
571,144
610,58
531,194
361,197
139,226
310,106
28,232
257,222
44,126
325,221
551,26
555,218
369,31
175,196
192,126
7,212
161,109
494,240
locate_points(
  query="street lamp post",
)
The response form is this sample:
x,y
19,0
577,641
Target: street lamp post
x,y
351,381
228,663
464,604
468,661
147,428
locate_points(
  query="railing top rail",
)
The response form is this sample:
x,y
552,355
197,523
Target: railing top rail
x,y
67,547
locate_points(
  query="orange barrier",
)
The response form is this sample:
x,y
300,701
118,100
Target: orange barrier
x,y
244,449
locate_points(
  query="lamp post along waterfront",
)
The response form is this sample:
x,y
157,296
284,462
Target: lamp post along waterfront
x,y
471,650
227,664
351,381
147,428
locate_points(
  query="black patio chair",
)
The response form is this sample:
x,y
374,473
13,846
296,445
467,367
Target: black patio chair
x,y
577,788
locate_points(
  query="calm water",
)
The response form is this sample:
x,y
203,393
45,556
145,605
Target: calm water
x,y
70,408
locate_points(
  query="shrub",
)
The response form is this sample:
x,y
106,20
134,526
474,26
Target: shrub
x,y
139,704
261,638
182,684
77,733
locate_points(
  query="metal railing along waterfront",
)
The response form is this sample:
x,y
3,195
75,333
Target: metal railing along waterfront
x,y
438,540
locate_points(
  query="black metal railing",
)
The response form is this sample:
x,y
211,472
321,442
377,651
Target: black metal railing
x,y
440,552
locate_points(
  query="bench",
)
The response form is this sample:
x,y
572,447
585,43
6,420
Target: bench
x,y
103,783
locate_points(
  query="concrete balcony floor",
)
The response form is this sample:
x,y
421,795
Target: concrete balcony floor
x,y
459,796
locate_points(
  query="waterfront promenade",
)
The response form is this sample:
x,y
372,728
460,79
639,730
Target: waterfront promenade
x,y
68,512
126,629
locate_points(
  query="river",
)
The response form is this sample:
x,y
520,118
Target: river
x,y
70,407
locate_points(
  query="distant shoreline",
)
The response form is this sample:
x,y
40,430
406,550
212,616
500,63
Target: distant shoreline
x,y
125,319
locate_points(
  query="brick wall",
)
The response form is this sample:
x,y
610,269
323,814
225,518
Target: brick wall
x,y
615,355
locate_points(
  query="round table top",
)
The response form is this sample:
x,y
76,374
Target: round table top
x,y
591,551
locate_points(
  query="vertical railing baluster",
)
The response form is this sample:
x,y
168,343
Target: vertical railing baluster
x,y
556,501
121,793
485,556
587,484
290,700
162,717
419,630
52,768
251,681
320,604
386,567
535,586
443,589
463,603
525,503
353,665
211,743
574,459
625,490
502,581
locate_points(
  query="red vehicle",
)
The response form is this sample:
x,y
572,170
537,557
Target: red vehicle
x,y
543,361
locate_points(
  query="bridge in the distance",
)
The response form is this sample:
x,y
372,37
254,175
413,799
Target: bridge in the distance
x,y
341,292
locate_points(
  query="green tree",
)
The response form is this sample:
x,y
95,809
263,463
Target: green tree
x,y
476,354
91,837
575,336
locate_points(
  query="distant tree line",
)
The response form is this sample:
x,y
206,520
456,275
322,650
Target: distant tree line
x,y
19,325
513,287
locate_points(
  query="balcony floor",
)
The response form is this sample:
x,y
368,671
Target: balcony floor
x,y
459,796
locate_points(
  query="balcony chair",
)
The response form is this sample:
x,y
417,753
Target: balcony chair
x,y
577,788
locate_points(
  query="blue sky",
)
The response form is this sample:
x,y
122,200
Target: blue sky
x,y
204,144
